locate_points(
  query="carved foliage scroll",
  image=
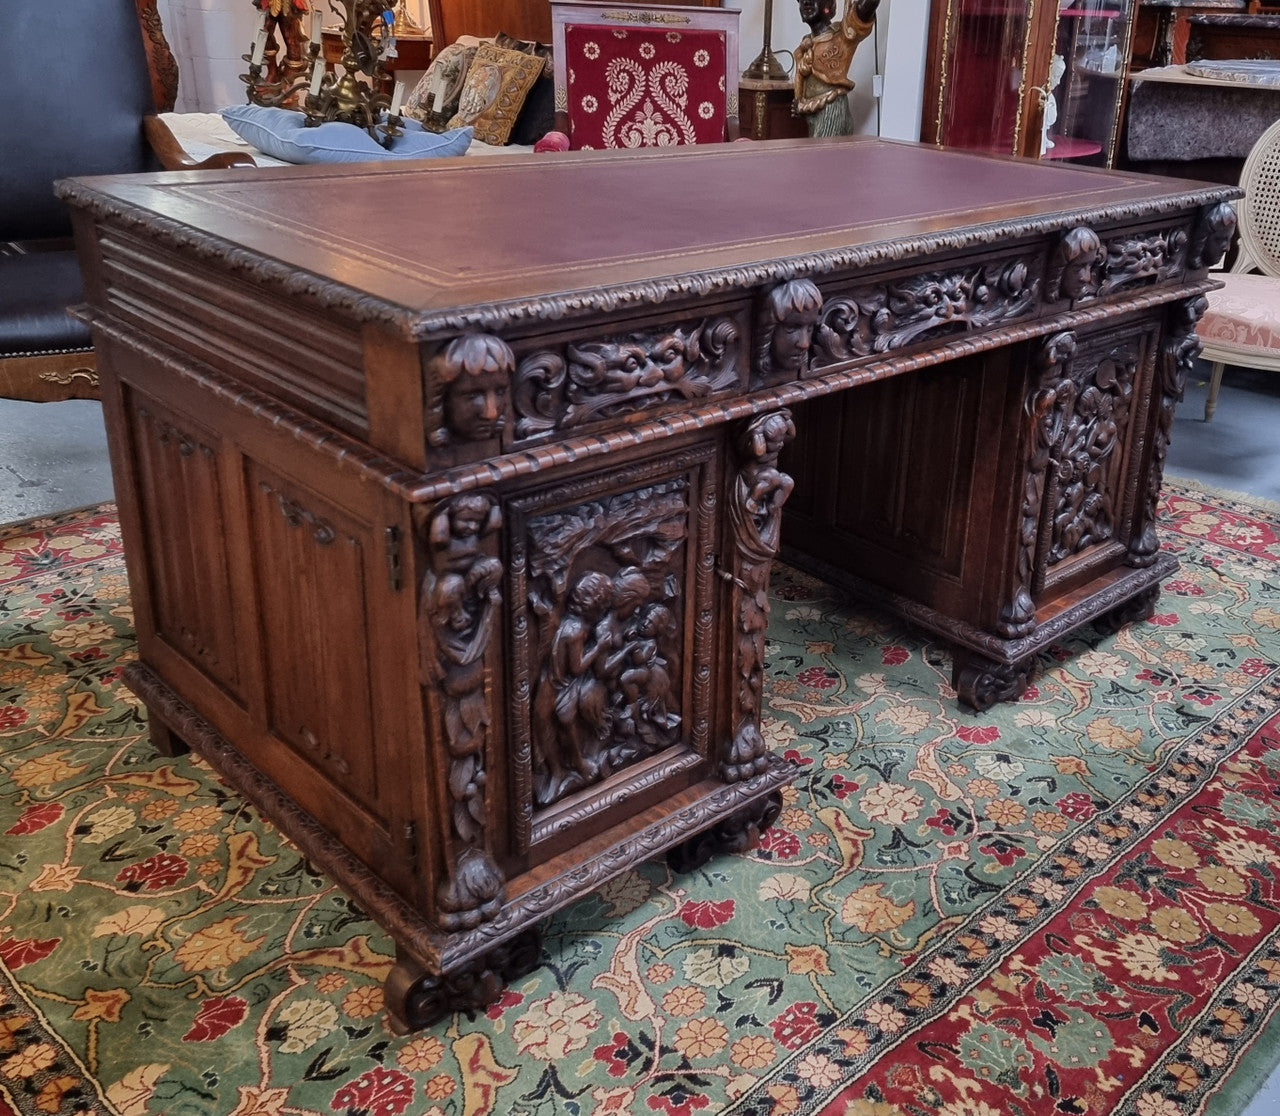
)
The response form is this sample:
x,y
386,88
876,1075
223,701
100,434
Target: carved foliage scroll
x,y
892,315
461,595
1047,404
605,592
586,381
755,514
1081,500
1082,266
1177,358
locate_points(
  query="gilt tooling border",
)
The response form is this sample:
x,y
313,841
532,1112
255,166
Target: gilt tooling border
x,y
421,325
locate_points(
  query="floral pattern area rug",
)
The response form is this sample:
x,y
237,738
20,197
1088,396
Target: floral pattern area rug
x,y
1070,904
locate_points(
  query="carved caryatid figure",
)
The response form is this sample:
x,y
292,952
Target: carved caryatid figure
x,y
755,512
470,382
788,317
461,594
823,58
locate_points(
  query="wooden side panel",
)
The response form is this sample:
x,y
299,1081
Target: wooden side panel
x,y
304,358
310,563
178,464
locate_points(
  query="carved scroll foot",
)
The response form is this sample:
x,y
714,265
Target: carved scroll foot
x,y
417,998
980,682
1144,550
739,832
1141,607
164,739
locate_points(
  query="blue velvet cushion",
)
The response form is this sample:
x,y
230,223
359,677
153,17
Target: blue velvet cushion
x,y
280,133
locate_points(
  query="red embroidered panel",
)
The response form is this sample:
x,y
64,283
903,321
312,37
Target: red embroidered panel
x,y
642,87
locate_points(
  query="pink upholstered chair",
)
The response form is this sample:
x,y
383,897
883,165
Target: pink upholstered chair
x,y
1242,324
643,75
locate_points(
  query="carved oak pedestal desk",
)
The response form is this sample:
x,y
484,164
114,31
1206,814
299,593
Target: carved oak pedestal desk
x,y
450,492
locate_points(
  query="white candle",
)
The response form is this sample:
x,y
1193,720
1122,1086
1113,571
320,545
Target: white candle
x,y
317,76
317,20
396,98
262,19
259,45
437,80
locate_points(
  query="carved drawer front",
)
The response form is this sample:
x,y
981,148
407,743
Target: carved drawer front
x,y
1096,422
180,491
312,569
562,385
611,590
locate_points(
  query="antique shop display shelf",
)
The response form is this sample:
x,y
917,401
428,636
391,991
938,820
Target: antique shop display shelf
x,y
449,534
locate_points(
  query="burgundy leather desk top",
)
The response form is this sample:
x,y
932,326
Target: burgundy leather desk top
x,y
447,235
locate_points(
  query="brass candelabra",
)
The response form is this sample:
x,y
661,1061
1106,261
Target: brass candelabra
x,y
355,96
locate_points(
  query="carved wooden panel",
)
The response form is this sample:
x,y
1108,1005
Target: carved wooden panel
x,y
315,632
178,465
610,583
895,480
570,384
1091,476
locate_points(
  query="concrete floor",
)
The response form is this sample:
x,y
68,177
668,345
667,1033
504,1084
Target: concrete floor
x,y
53,457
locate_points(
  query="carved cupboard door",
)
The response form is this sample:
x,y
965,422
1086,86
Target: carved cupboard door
x,y
611,579
1086,437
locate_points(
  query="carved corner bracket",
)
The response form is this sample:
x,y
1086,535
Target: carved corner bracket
x,y
461,595
755,515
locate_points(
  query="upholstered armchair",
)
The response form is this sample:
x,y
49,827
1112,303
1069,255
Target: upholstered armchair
x,y
629,75
85,74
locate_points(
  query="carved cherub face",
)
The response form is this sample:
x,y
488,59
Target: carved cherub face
x,y
793,311
476,371
467,517
475,405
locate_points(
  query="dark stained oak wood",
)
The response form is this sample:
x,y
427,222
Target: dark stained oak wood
x,y
450,536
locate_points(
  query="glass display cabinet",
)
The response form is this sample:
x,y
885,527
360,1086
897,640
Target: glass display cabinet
x,y
1024,77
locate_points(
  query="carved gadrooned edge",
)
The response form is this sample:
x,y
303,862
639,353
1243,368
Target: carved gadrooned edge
x,y
526,462
415,487
413,935
638,848
1178,355
421,326
1130,584
1017,616
389,909
1212,235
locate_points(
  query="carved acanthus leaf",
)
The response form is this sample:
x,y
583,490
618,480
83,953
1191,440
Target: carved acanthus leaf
x,y
586,381
890,316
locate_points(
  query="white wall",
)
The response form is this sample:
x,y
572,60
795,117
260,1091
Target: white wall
x,y
209,36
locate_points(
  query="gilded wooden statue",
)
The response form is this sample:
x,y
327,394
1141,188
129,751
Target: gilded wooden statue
x,y
823,58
